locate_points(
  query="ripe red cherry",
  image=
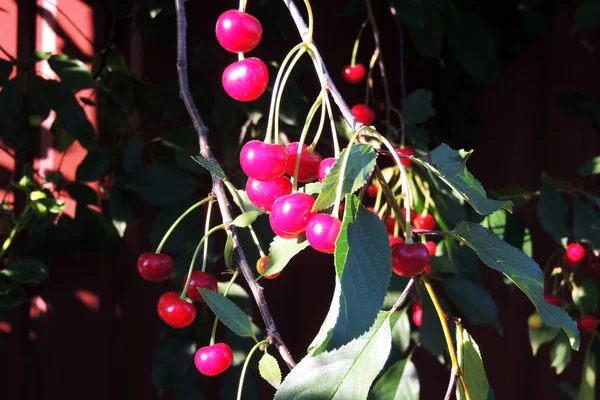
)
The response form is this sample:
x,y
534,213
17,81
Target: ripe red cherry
x,y
263,193
175,312
407,151
424,222
246,80
290,214
322,232
409,259
417,314
428,270
372,190
155,267
202,280
431,247
263,161
574,254
238,32
212,360
587,323
325,167
553,299
309,162
390,224
354,74
395,239
364,114
261,267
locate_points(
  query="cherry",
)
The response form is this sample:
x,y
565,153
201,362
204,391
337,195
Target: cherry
x,y
428,269
322,232
535,321
325,167
431,247
261,267
409,259
263,161
395,239
354,74
553,299
155,267
212,360
246,80
372,190
417,314
407,151
175,312
202,280
587,323
364,114
423,221
574,254
309,162
238,32
390,224
291,213
263,193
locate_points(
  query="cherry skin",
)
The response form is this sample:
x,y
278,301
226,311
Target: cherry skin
x,y
390,224
395,239
290,214
201,280
238,32
424,222
428,269
587,323
175,312
431,247
409,259
364,114
246,80
309,162
155,267
372,190
574,254
325,167
263,161
553,299
264,193
322,232
417,314
261,267
354,74
535,321
407,151
213,360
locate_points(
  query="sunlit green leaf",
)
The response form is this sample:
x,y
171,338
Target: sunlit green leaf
x,y
269,370
230,314
399,382
282,251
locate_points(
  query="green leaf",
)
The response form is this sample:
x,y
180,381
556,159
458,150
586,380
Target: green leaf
x,y
537,337
186,230
590,167
471,367
244,203
400,329
553,213
587,387
73,73
345,373
26,271
586,295
361,162
96,164
269,370
586,224
12,295
587,16
82,193
282,251
245,219
230,314
124,205
520,269
132,157
6,68
399,382
53,176
473,301
450,166
425,28
171,361
560,353
417,107
228,252
11,105
211,166
159,186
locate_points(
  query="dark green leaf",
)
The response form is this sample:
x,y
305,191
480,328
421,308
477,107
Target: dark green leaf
x,y
211,166
590,167
82,193
399,382
471,367
187,230
228,252
53,176
587,387
553,213
238,295
586,295
474,302
230,314
425,28
269,370
96,164
132,158
431,334
171,361
560,353
282,251
400,330
11,104
587,16
417,107
245,219
124,205
586,224
12,295
538,337
6,68
40,55
73,73
159,186
26,271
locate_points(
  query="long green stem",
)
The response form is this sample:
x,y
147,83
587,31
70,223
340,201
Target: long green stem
x,y
245,367
315,141
311,113
243,5
338,192
213,333
311,23
177,221
206,229
357,42
234,193
284,80
370,74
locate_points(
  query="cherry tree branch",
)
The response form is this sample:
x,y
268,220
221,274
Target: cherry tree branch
x,y
218,187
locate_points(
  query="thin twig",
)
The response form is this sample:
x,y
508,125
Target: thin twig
x,y
450,389
404,294
218,188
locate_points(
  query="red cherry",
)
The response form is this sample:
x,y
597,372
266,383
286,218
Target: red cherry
x,y
407,151
309,162
263,193
291,213
409,259
325,167
354,74
574,254
428,270
176,312
417,314
261,267
238,32
263,161
553,299
246,80
212,360
431,247
202,280
322,232
390,224
587,323
395,240
424,222
364,114
155,267
372,190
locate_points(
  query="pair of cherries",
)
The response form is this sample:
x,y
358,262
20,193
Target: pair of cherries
x,y
239,32
362,112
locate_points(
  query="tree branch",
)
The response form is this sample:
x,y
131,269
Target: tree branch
x,y
218,187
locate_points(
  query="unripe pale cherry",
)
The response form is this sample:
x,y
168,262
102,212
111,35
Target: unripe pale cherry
x,y
574,254
409,259
424,222
354,74
325,167
264,193
587,323
155,267
290,214
213,360
322,232
175,312
364,114
407,151
535,321
309,162
246,80
261,267
238,31
201,280
263,161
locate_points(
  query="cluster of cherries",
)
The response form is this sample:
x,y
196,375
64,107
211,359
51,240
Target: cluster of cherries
x,y
356,74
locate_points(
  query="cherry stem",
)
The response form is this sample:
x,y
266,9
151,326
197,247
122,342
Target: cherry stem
x,y
311,113
357,42
234,193
403,296
311,23
401,119
178,220
240,56
213,333
338,192
389,196
245,367
242,5
315,140
369,87
206,229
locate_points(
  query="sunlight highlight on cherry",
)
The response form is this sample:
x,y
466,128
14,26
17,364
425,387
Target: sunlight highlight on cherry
x,y
213,360
175,312
309,162
290,214
246,80
322,232
263,161
238,31
264,193
155,267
